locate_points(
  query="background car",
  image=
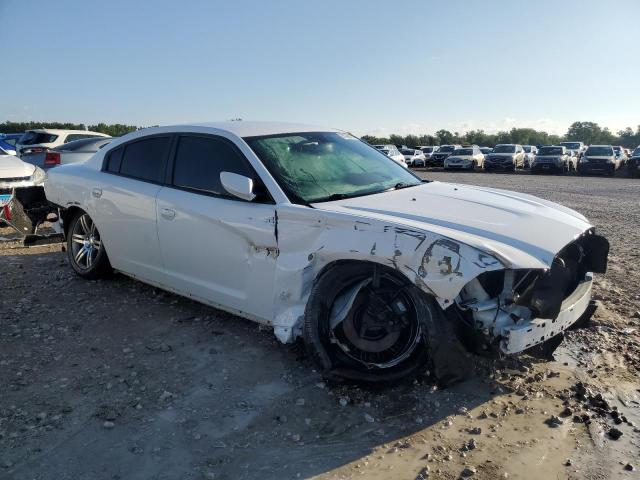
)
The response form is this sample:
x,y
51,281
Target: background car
x,y
71,152
465,158
412,155
578,147
529,153
37,140
392,152
23,205
7,148
633,164
437,158
506,156
11,138
599,159
621,154
428,151
552,159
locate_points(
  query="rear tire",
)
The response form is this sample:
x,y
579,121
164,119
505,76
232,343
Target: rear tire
x,y
85,249
373,343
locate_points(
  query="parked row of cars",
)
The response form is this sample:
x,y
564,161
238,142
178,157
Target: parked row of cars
x,y
562,158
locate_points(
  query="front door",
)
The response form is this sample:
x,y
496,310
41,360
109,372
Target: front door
x,y
215,247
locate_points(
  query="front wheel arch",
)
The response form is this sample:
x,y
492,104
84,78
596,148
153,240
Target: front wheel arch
x,y
330,283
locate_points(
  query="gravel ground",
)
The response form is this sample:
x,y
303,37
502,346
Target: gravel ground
x,y
113,379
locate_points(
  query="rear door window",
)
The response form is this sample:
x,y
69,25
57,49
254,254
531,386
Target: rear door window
x,y
145,159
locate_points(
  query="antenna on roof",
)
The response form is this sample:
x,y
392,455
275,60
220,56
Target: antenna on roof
x,y
236,119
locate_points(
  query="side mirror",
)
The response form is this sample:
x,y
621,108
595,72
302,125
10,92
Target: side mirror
x,y
237,185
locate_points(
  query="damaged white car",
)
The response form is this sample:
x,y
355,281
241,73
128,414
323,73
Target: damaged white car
x,y
23,205
320,236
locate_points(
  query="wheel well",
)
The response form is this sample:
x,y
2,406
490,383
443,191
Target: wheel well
x,y
329,268
66,215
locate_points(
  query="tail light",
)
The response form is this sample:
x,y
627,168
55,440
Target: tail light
x,y
7,212
51,159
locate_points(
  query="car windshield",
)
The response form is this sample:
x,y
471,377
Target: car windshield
x,y
527,148
550,151
35,138
463,151
407,151
324,166
427,149
572,146
616,149
447,149
636,152
504,149
599,151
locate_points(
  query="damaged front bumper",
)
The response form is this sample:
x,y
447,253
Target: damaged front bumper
x,y
526,334
513,310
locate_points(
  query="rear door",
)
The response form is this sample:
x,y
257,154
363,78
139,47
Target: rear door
x,y
125,205
215,247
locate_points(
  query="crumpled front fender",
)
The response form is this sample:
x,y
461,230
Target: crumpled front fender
x,y
310,240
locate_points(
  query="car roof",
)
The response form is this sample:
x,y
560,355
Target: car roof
x,y
255,129
63,130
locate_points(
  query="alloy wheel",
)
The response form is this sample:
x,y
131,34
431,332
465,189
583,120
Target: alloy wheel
x,y
85,242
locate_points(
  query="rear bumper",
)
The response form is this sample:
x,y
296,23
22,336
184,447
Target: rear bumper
x,y
533,332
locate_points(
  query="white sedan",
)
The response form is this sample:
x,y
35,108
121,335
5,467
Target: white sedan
x,y
22,202
319,235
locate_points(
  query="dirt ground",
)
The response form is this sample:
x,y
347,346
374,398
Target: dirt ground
x,y
113,379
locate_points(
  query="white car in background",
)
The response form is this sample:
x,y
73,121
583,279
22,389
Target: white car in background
x,y
465,158
530,152
315,234
42,139
428,151
411,156
393,153
23,205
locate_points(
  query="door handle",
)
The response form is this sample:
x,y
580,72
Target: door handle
x,y
167,213
96,192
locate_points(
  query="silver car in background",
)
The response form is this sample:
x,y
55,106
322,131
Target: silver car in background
x,y
506,156
529,154
412,155
599,159
72,152
554,159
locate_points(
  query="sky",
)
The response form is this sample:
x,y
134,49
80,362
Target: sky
x,y
369,67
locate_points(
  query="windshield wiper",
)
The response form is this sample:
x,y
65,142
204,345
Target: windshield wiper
x,y
402,185
329,198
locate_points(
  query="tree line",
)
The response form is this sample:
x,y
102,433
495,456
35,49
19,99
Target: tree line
x,y
588,132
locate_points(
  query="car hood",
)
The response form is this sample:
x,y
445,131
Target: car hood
x,y
501,155
522,231
460,157
12,167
